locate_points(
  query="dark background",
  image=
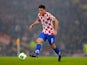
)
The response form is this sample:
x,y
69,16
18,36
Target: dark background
x,y
16,15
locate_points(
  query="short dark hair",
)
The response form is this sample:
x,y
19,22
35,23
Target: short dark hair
x,y
42,6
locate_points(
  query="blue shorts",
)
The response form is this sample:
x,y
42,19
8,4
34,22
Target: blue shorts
x,y
50,38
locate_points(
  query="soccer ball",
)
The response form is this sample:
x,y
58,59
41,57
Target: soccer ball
x,y
22,56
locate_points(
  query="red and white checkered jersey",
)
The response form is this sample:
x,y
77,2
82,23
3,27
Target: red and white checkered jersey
x,y
47,22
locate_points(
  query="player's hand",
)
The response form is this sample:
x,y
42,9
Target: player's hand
x,y
55,32
30,27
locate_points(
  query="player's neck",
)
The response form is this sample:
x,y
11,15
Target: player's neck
x,y
43,13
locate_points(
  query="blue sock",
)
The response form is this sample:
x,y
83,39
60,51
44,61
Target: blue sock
x,y
37,50
57,50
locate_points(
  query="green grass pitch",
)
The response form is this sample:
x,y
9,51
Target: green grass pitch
x,y
43,61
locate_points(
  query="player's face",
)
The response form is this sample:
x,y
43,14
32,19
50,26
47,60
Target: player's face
x,y
42,11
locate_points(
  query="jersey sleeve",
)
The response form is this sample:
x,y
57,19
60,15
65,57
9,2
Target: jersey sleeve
x,y
39,20
39,17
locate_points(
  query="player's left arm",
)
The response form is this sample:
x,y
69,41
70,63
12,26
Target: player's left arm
x,y
56,24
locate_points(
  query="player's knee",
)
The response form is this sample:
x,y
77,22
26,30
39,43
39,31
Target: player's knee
x,y
53,46
38,41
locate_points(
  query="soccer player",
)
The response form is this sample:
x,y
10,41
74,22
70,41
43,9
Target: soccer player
x,y
48,33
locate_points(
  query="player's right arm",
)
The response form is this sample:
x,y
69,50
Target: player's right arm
x,y
35,23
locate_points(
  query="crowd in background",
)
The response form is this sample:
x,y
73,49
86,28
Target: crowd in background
x,y
17,15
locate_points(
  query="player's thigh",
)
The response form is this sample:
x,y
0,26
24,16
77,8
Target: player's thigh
x,y
39,40
51,39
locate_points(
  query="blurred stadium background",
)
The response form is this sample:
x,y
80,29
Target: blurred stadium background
x,y
16,15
